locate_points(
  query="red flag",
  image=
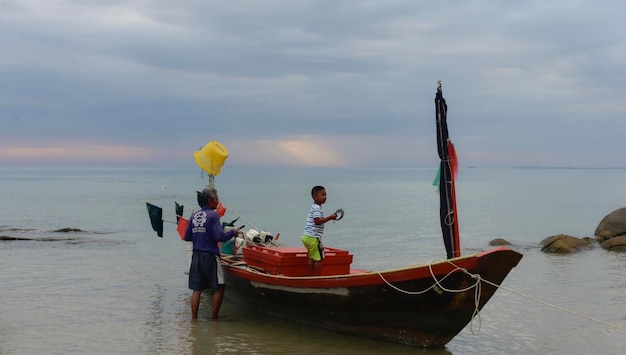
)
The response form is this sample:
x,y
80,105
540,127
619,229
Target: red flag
x,y
221,210
182,227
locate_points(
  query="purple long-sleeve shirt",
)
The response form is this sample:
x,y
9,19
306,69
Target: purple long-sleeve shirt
x,y
205,231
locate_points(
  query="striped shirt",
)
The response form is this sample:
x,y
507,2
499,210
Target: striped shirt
x,y
312,229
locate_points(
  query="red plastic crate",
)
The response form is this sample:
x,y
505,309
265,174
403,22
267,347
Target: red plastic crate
x,y
290,261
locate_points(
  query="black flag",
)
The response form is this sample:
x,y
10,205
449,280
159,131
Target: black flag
x,y
156,218
179,210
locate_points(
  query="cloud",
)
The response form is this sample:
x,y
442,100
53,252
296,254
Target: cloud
x,y
526,83
81,153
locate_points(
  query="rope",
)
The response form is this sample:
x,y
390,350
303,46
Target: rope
x,y
241,217
476,286
477,294
614,326
449,219
227,208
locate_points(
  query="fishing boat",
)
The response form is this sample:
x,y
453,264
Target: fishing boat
x,y
422,305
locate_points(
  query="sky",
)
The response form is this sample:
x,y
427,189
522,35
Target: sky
x,y
315,83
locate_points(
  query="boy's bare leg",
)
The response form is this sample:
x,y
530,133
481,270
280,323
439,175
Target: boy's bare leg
x,y
314,267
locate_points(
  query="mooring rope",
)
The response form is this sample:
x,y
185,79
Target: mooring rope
x,y
477,294
614,326
476,285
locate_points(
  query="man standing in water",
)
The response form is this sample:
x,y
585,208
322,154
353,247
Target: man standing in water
x,y
205,231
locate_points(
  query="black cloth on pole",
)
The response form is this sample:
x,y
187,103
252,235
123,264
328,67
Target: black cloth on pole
x,y
446,216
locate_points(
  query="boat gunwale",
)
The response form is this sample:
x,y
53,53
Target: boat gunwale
x,y
433,269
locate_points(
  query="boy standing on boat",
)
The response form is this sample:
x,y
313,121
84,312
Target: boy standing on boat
x,y
205,272
312,237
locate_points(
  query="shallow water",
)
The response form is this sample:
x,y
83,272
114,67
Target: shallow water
x,y
115,287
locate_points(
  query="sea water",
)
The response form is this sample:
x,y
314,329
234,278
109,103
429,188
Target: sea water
x,y
110,285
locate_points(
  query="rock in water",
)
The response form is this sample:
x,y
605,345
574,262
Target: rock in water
x,y
615,244
612,225
565,244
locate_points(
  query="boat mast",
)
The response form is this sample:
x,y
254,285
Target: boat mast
x,y
211,183
447,196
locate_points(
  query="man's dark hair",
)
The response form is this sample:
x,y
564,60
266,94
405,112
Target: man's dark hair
x,y
208,194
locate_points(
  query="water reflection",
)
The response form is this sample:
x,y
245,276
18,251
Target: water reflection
x,y
240,331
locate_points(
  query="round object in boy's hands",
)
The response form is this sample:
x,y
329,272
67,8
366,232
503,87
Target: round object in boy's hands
x,y
339,214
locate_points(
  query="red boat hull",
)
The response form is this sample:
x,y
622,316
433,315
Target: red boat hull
x,y
424,305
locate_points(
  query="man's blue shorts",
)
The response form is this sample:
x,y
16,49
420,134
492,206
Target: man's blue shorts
x,y
205,271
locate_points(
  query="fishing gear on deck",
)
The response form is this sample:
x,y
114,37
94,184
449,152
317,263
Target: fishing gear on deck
x,y
231,223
